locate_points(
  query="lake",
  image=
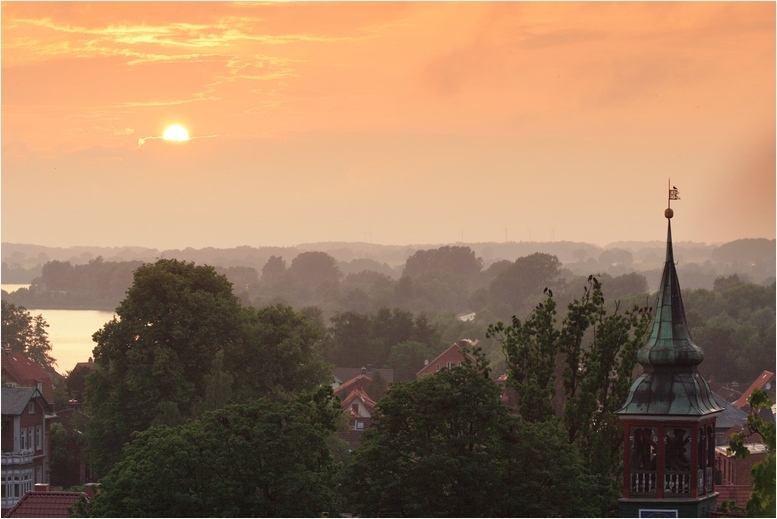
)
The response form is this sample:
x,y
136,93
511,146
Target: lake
x,y
70,332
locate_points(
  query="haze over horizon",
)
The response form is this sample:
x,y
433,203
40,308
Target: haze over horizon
x,y
390,123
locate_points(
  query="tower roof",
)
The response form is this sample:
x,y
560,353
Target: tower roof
x,y
670,383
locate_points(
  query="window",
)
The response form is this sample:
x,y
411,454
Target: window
x,y
31,407
31,438
438,367
359,425
449,365
39,437
23,445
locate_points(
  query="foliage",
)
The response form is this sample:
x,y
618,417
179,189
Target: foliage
x,y
262,459
459,261
26,334
278,351
98,284
407,358
67,453
445,446
762,498
735,325
515,285
356,339
158,351
598,352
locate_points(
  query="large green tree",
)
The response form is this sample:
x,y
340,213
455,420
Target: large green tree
x,y
152,359
182,344
577,374
446,446
263,459
26,334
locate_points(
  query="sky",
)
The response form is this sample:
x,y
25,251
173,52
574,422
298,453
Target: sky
x,y
393,123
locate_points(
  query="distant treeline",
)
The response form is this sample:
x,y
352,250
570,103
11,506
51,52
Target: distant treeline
x,y
754,258
447,288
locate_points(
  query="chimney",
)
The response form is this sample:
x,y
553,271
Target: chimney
x,y
41,487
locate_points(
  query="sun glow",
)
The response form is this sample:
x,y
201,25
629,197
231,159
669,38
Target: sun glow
x,y
176,132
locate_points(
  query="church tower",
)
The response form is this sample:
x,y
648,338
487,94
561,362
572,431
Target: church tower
x,y
669,415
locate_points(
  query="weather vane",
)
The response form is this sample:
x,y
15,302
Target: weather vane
x,y
674,194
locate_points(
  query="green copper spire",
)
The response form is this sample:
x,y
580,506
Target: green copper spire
x,y
670,342
670,383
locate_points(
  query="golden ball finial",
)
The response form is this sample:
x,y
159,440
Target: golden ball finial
x,y
669,213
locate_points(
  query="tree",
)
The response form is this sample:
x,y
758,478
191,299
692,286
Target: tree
x,y
526,277
595,352
274,270
407,358
157,353
26,334
762,498
278,352
459,261
263,459
445,446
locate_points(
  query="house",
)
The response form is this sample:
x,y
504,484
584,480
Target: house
x,y
729,421
20,371
765,381
355,401
43,503
26,419
733,479
453,356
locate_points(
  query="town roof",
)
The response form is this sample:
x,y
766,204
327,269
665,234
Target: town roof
x,y
18,367
359,382
45,504
464,343
345,374
731,415
15,399
759,383
368,402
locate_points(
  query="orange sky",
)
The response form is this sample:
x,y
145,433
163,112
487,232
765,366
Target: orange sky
x,y
396,123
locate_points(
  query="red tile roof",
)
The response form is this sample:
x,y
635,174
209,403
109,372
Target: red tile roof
x,y
368,402
359,382
24,372
759,383
45,504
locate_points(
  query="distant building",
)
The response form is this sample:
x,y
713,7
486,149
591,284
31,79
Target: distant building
x,y
451,357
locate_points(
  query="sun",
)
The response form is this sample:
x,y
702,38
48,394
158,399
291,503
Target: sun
x,y
176,132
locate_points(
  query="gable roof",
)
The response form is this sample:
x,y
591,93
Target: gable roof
x,y
368,402
759,383
45,504
464,343
345,374
15,399
359,382
20,369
